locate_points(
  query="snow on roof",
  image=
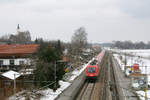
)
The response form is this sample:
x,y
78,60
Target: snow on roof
x,y
11,74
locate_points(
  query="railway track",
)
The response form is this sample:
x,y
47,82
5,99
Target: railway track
x,y
86,91
105,84
101,89
91,90
104,80
113,83
109,84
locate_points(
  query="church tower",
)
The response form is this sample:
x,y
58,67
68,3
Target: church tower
x,y
18,29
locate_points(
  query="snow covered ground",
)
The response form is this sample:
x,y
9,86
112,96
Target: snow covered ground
x,y
141,61
141,52
144,64
142,94
48,94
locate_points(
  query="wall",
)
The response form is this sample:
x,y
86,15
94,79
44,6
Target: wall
x,y
16,61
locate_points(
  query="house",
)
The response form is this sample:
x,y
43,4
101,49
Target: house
x,y
14,55
138,80
7,83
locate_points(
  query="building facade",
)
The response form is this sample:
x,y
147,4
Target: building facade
x,y
13,56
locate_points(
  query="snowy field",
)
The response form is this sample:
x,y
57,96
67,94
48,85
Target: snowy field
x,y
48,94
136,52
141,61
144,53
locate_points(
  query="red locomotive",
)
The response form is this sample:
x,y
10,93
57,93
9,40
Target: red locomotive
x,y
92,70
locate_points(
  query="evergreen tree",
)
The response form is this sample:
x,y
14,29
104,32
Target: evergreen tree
x,y
47,58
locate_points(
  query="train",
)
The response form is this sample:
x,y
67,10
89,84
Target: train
x,y
92,70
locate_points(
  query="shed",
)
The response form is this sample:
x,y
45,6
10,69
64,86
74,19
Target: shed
x,y
138,80
7,82
11,75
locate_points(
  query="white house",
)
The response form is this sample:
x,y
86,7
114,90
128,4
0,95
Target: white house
x,y
14,55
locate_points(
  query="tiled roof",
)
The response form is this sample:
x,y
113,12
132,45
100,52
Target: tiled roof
x,y
15,49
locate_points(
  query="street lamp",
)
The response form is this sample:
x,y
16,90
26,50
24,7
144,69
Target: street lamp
x,y
15,76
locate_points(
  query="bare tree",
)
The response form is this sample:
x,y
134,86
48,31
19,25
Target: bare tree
x,y
21,38
5,38
24,37
79,41
78,44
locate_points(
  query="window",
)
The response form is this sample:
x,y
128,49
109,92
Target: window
x,y
21,62
1,62
7,83
93,62
12,62
91,69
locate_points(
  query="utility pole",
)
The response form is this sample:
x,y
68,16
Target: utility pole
x,y
55,76
142,65
146,98
14,86
125,59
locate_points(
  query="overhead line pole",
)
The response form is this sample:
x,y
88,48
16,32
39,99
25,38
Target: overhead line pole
x,y
55,74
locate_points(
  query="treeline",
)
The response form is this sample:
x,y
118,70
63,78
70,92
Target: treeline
x,y
131,45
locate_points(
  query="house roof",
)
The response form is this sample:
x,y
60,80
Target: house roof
x,y
11,74
137,75
17,49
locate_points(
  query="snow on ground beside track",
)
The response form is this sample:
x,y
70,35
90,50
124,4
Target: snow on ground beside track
x,y
119,61
47,94
50,95
131,60
141,61
141,94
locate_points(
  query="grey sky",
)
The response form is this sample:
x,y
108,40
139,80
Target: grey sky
x,y
104,20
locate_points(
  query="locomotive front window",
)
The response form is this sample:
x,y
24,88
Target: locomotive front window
x,y
91,70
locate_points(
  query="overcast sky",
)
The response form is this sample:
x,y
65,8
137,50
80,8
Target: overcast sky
x,y
104,20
